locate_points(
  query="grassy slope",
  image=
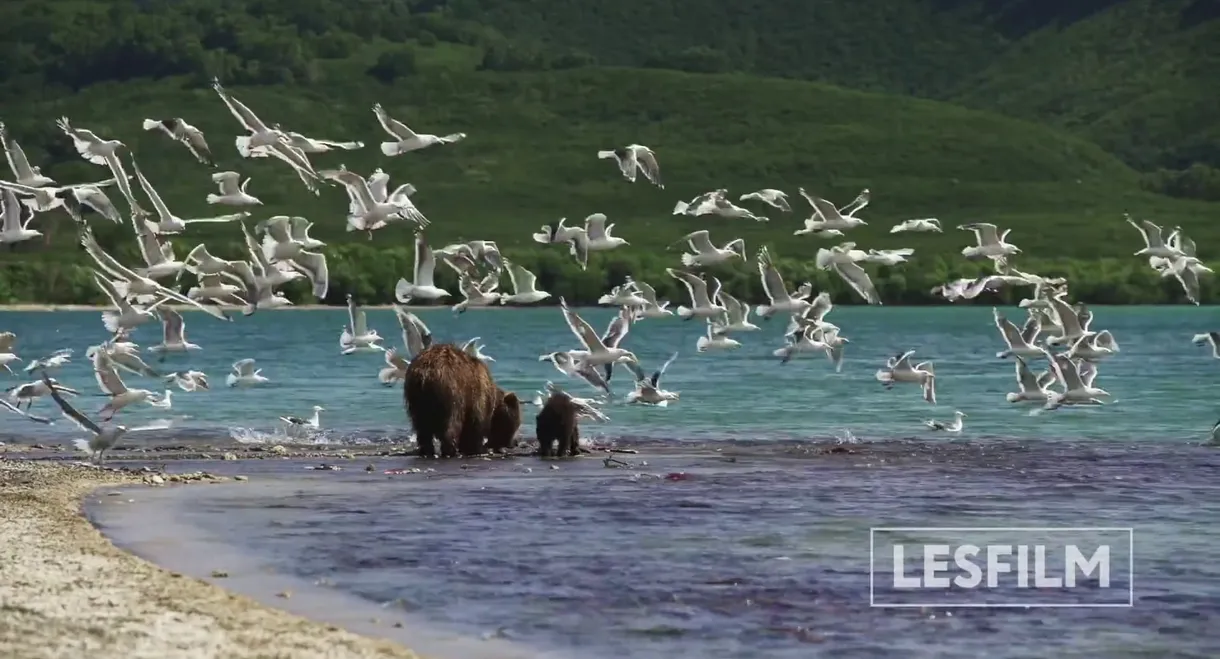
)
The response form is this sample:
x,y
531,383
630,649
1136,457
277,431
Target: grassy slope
x,y
1138,78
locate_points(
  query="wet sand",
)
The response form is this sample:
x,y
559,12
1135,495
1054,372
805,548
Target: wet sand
x,y
66,591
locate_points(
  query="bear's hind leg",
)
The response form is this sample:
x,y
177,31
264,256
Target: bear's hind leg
x,y
426,444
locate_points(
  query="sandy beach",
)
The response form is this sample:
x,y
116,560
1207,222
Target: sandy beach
x,y
66,591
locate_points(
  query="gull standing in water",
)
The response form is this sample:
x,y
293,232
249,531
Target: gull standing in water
x,y
186,134
1033,389
405,139
422,286
525,290
771,197
899,369
1199,339
232,194
105,153
356,334
112,385
776,292
1019,342
702,305
954,426
102,438
633,159
244,374
313,422
648,388
173,334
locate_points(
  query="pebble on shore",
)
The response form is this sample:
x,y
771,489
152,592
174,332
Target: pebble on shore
x,y
66,591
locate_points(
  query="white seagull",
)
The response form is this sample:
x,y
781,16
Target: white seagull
x,y
707,254
260,134
102,152
167,222
23,173
598,352
898,369
737,314
1020,342
186,134
370,210
525,286
12,229
312,422
1076,390
1154,244
771,197
112,385
232,194
244,374
173,334
311,145
633,159
422,286
1033,389
776,291
990,242
356,334
102,438
953,426
405,139
702,303
653,309
648,388
1199,339
922,225
716,339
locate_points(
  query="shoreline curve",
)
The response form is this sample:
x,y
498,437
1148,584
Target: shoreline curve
x,y
67,590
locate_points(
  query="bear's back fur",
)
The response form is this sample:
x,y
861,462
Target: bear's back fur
x,y
557,422
450,396
505,421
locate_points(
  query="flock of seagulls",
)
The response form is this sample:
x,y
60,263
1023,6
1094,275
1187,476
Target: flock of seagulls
x,y
279,249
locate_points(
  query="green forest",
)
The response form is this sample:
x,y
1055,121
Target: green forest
x,y
1025,114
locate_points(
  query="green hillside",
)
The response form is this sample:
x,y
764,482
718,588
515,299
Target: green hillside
x,y
531,152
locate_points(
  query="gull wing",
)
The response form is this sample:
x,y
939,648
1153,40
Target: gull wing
x,y
1025,377
656,377
15,156
858,279
984,233
617,330
151,193
647,161
773,283
239,110
595,226
523,280
581,328
1069,374
700,241
395,128
243,367
1012,336
107,375
823,208
425,262
172,325
695,286
69,412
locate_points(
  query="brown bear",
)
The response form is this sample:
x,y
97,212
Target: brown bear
x,y
505,421
450,396
557,423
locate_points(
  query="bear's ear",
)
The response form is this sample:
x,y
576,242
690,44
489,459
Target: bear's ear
x,y
511,400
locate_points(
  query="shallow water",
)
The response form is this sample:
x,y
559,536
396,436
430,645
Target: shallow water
x,y
1157,379
758,552
762,555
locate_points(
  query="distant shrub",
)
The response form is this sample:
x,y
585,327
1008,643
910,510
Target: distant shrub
x,y
1195,182
398,62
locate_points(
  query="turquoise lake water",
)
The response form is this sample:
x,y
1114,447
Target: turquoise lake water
x,y
1161,383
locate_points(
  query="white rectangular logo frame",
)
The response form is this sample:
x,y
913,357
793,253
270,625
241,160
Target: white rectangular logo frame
x,y
872,535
